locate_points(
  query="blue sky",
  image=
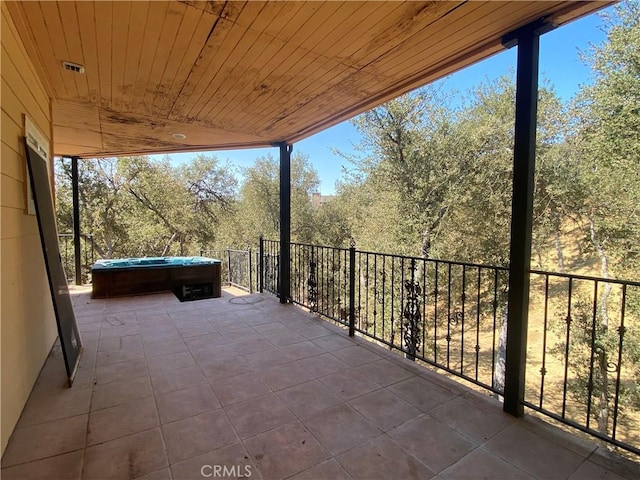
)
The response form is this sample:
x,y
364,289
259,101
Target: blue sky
x,y
560,64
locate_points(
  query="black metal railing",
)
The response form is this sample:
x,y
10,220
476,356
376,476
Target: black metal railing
x,y
239,267
583,361
66,245
269,266
320,280
447,314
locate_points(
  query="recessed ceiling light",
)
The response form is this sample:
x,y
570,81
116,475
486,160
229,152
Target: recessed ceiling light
x,y
179,136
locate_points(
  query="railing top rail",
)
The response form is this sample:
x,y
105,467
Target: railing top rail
x,y
452,262
436,260
467,264
314,245
483,265
319,246
90,235
218,250
586,277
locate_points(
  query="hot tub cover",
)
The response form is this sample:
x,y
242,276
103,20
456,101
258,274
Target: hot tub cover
x,y
150,262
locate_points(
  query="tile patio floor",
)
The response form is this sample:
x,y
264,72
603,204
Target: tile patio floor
x,y
272,392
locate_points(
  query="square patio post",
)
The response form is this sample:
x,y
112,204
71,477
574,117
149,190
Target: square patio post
x,y
524,152
285,221
76,220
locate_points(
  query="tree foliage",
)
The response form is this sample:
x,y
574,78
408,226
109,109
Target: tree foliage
x,y
256,210
605,146
135,207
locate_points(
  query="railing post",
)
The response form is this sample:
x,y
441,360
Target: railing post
x,y
352,288
261,265
229,265
250,273
524,153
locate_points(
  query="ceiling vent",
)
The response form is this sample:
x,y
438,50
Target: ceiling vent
x,y
73,67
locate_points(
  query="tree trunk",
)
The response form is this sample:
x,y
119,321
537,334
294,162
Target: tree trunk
x,y
603,314
501,355
107,236
603,408
168,245
539,255
558,242
94,245
426,243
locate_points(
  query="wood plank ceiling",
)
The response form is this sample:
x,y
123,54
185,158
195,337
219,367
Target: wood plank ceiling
x,y
244,74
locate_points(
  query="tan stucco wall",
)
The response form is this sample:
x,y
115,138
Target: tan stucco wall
x,y
27,322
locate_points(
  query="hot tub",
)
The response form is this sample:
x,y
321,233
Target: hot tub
x,y
186,276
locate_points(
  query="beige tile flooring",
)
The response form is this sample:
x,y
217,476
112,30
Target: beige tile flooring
x,y
267,391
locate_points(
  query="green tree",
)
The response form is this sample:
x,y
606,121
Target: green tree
x,y
258,208
404,172
435,181
188,217
136,207
103,204
606,139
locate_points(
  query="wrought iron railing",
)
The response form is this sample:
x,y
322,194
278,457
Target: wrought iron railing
x,y
447,314
583,360
269,266
239,267
66,245
320,279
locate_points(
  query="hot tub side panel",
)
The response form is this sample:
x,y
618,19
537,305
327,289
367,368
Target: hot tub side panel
x,y
118,282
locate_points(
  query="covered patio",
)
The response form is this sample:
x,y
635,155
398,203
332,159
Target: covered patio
x,y
242,386
165,389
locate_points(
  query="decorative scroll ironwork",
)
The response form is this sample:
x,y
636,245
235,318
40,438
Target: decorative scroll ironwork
x,y
456,319
411,314
312,284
